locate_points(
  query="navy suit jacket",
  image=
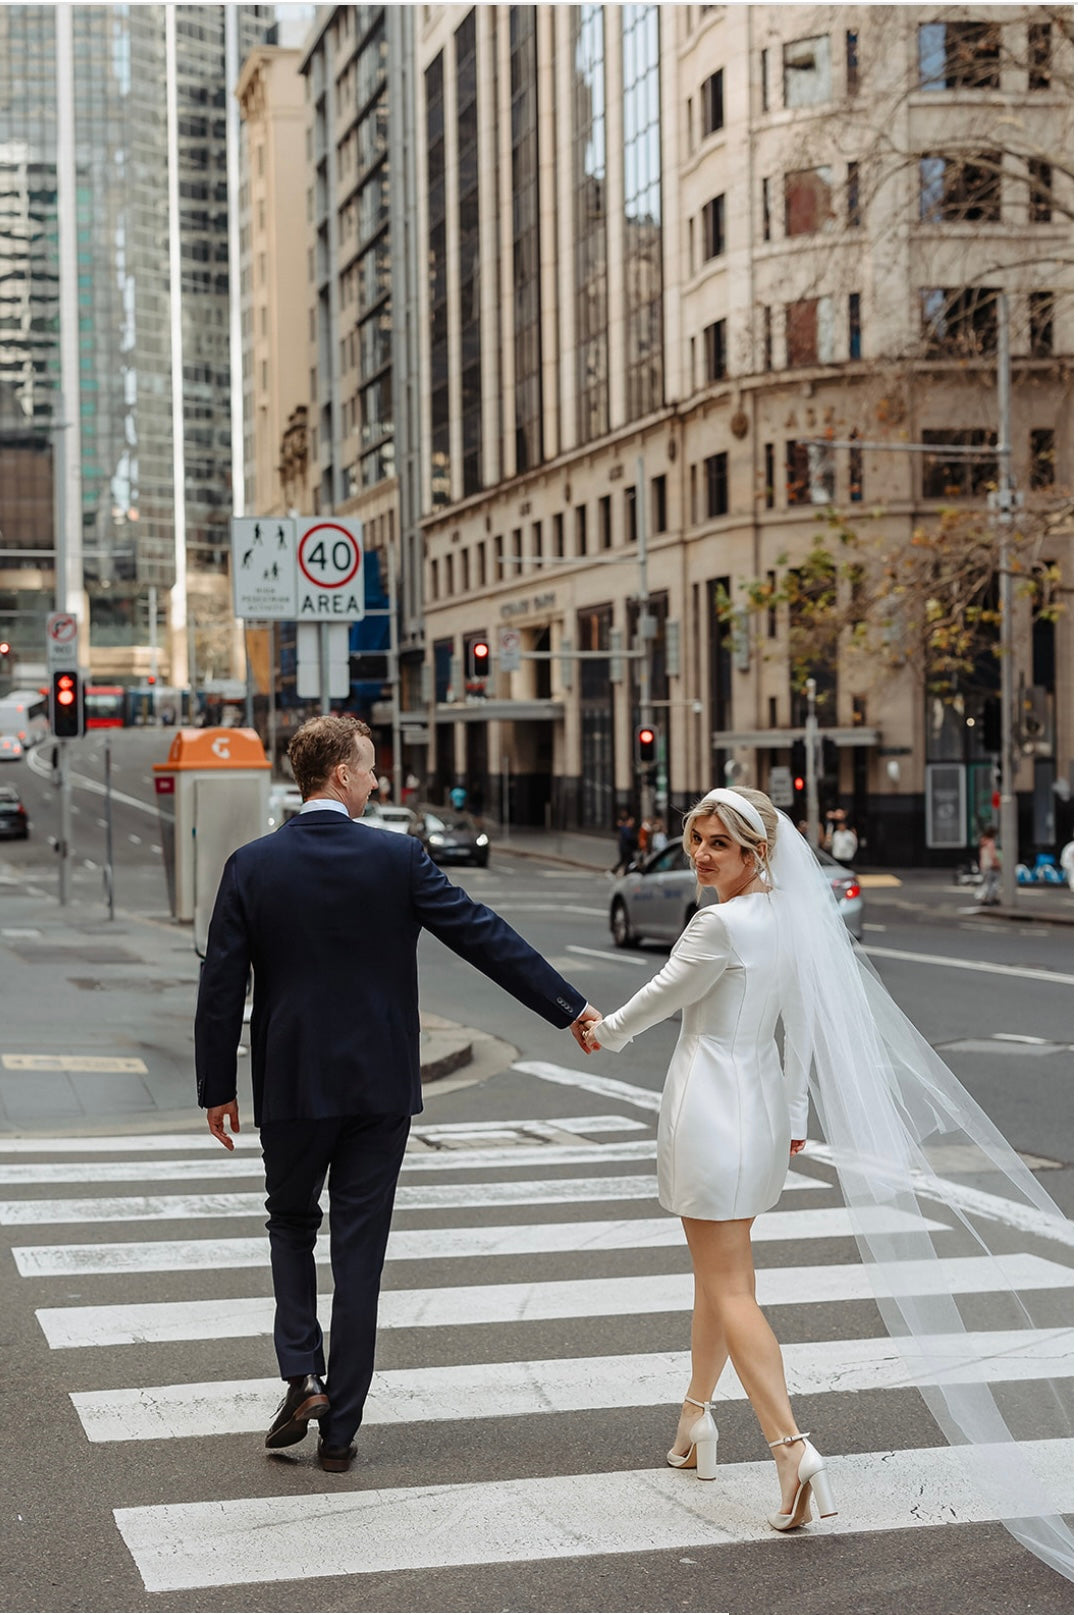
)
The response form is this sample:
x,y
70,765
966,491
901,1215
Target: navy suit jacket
x,y
328,914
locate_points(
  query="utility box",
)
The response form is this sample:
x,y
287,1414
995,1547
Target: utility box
x,y
213,796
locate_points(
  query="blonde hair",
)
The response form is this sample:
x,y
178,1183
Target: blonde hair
x,y
739,828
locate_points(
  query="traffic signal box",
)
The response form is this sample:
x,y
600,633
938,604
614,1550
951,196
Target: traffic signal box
x,y
66,704
645,745
479,657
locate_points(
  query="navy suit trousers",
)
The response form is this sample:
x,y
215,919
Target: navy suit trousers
x,y
362,1156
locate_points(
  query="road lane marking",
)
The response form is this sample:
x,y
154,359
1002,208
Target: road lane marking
x,y
242,1541
1027,973
409,1197
122,1143
608,953
553,908
440,1244
223,1165
156,1322
136,841
417,1396
85,783
73,1062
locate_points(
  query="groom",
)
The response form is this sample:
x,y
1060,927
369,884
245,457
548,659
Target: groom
x,y
328,914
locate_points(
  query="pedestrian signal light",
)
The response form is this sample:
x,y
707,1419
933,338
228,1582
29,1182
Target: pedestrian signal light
x,y
66,705
645,744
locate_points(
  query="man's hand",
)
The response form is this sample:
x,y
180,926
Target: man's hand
x,y
797,1145
579,1027
215,1119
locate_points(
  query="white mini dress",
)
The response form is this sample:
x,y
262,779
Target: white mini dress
x,y
728,1108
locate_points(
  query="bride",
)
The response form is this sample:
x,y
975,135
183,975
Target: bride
x,y
775,946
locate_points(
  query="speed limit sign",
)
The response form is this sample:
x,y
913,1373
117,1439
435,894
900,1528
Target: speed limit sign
x,y
329,571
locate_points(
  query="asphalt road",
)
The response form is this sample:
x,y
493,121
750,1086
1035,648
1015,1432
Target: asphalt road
x,y
534,1326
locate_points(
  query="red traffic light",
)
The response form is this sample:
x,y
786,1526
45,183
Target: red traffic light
x,y
151,678
645,744
647,737
5,648
799,784
65,690
481,650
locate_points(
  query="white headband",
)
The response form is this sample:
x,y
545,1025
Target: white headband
x,y
741,805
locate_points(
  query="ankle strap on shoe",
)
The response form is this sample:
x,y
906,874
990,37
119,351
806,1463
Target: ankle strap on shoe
x,y
788,1441
705,1405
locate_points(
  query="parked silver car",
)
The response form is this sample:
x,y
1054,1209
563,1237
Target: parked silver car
x,y
657,898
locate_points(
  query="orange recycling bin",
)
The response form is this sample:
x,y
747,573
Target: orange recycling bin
x,y
213,796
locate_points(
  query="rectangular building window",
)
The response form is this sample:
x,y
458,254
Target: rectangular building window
x,y
1041,320
559,536
629,535
765,88
693,507
658,504
961,321
806,72
537,542
715,351
527,329
471,368
1040,191
769,475
589,203
853,195
465,571
714,227
857,472
854,312
500,569
809,332
1039,44
797,474
518,550
1042,457
642,231
718,491
581,529
772,633
766,187
853,68
481,555
606,531
959,55
965,477
808,201
711,107
769,345
956,190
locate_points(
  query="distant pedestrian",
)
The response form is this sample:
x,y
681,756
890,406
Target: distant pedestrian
x,y
626,834
659,837
458,797
385,790
989,863
844,842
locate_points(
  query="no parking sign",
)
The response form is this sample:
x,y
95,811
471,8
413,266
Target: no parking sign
x,y
329,571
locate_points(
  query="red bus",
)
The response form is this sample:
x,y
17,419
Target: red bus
x,y
105,706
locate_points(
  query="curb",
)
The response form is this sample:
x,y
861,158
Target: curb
x,y
546,857
442,1053
1026,915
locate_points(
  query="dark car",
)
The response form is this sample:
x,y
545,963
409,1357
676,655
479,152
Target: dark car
x,y
14,822
450,836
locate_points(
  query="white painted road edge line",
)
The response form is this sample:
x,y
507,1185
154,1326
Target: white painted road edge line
x,y
573,1384
1026,972
232,1318
440,1244
608,953
996,1207
241,1541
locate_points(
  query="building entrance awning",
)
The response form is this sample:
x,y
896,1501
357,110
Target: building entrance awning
x,y
766,739
503,711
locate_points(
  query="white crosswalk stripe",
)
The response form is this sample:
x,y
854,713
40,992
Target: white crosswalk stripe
x,y
446,1522
267,1539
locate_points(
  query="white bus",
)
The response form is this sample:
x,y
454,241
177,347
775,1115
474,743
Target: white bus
x,y
25,714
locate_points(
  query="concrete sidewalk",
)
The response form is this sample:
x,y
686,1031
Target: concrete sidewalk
x,y
1052,905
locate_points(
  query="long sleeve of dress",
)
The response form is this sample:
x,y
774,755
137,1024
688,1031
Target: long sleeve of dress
x,y
702,954
796,1058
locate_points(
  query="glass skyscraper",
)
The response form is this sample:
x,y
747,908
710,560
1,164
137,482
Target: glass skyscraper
x,y
139,313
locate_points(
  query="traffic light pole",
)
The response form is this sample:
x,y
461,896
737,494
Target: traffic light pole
x,y
643,623
64,848
1004,500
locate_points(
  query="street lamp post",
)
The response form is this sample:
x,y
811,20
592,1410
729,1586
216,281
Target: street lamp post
x,y
645,624
1005,502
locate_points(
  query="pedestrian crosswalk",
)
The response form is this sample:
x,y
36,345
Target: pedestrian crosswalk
x,y
536,1278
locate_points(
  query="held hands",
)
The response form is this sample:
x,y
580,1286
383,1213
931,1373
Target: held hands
x,y
581,1028
797,1145
215,1119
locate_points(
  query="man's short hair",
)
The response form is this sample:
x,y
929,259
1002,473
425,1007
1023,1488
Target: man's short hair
x,y
320,744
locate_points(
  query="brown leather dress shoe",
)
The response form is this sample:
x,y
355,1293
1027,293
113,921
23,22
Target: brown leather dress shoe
x,y
337,1460
305,1399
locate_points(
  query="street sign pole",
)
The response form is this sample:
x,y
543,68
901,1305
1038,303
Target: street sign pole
x,y
64,848
62,653
323,666
110,894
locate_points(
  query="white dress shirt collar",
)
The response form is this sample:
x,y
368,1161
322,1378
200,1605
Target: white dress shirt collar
x,y
319,804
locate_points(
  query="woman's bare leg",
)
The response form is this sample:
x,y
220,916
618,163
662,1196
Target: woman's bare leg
x,y
731,1323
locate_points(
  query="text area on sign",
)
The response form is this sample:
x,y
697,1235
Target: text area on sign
x,y
329,566
264,568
